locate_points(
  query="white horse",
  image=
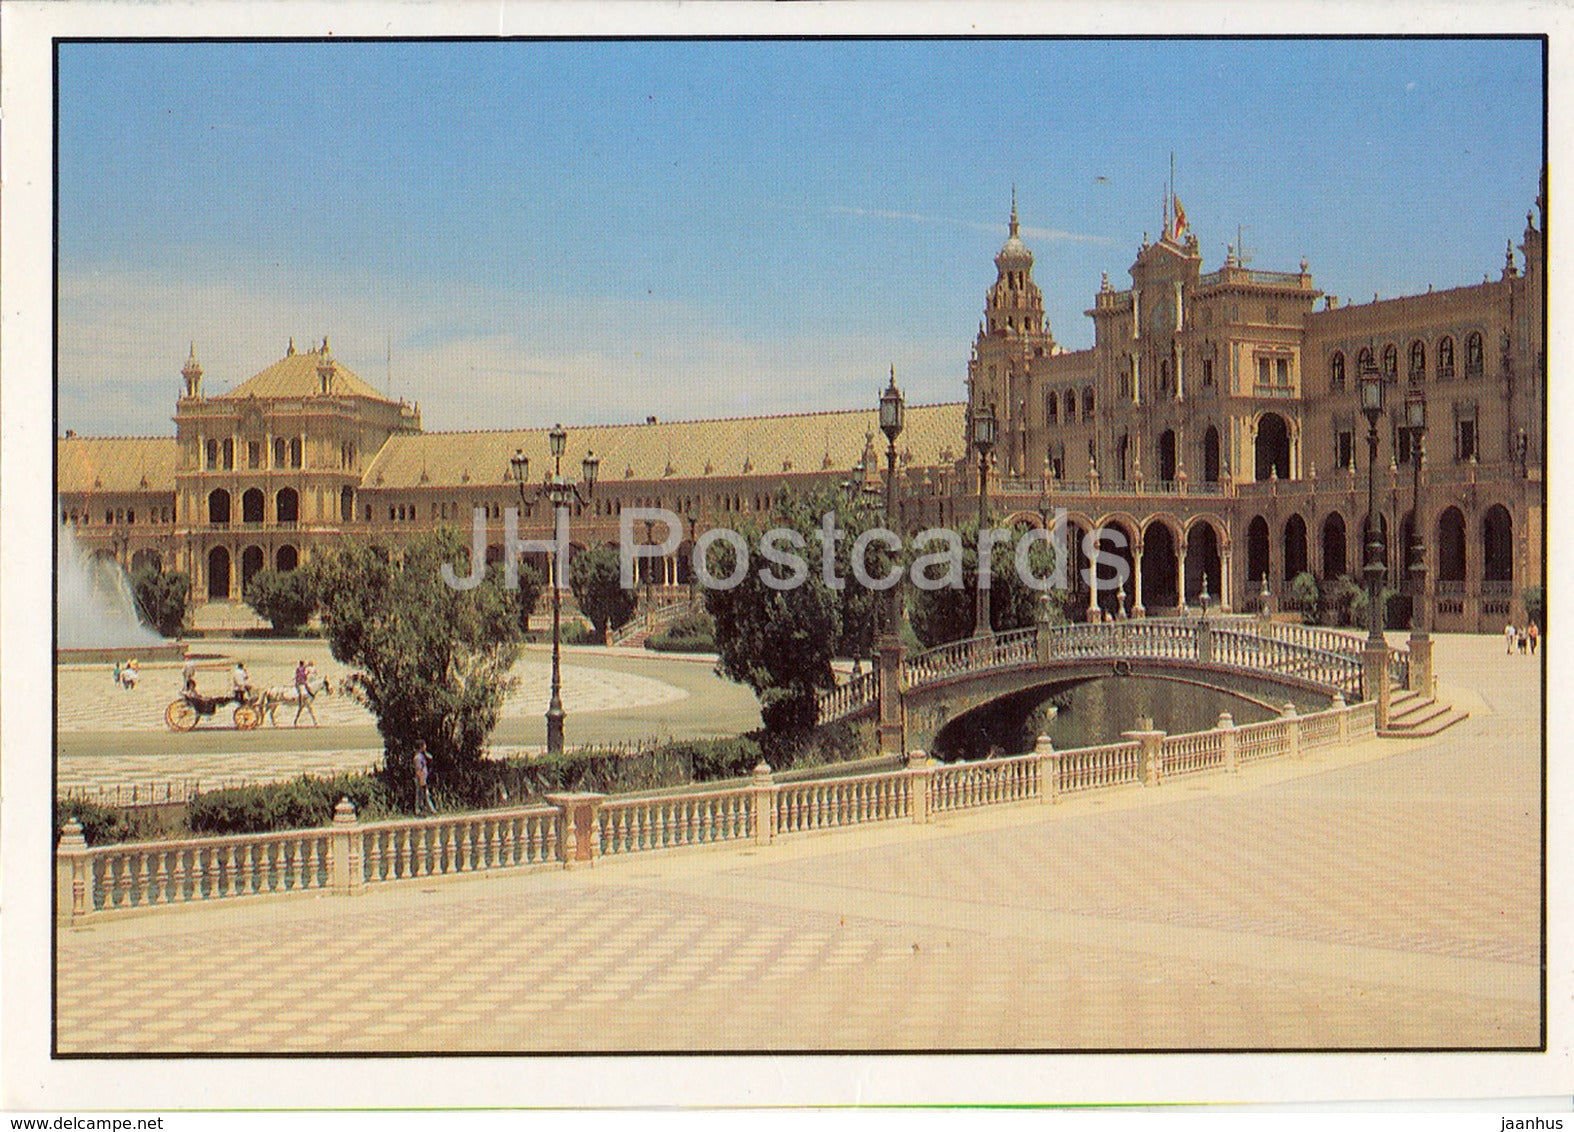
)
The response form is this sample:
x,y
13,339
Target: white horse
x,y
291,694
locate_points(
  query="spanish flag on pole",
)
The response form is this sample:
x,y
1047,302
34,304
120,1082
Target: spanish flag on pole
x,y
1180,218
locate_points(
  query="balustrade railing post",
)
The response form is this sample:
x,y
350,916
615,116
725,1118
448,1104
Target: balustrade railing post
x,y
1294,729
1204,642
762,803
71,897
1226,724
344,850
1344,718
578,839
1048,764
920,775
1150,755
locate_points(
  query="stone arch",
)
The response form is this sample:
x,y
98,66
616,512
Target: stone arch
x,y
1294,546
219,509
287,505
1257,553
1168,455
1204,563
1112,579
251,505
1161,582
1336,552
252,560
1021,519
218,573
286,558
1451,546
1497,545
1272,446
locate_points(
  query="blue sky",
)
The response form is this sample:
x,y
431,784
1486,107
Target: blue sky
x,y
598,231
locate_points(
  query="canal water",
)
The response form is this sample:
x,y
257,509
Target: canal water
x,y
1093,713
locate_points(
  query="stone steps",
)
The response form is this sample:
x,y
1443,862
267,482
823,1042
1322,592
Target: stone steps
x,y
1414,716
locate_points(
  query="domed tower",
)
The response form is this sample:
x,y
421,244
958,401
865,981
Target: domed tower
x,y
1013,333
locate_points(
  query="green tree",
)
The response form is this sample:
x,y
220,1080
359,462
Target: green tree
x,y
781,641
593,576
1305,596
286,598
161,598
943,615
1337,598
429,660
1535,603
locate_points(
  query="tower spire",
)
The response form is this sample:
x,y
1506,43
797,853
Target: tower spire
x,y
1013,209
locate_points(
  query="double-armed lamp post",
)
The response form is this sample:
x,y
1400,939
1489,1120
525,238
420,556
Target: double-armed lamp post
x,y
560,492
1374,660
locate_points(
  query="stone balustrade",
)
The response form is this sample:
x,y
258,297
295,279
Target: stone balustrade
x,y
350,856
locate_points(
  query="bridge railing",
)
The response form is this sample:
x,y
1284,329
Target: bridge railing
x,y
347,856
848,699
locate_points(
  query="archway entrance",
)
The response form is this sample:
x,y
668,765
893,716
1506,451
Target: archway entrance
x,y
1294,547
1256,552
1167,455
1160,569
1451,548
1202,558
1497,545
1111,586
251,561
1273,447
1335,552
218,573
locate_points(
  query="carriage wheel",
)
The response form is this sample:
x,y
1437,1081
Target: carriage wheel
x,y
180,716
247,718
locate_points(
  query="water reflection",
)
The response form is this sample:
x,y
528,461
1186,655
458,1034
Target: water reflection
x,y
1094,712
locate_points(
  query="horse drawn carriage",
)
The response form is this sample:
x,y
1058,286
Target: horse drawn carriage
x,y
191,708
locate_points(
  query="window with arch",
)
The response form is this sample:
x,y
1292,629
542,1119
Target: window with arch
x,y
280,452
1417,362
1071,405
1364,361
1336,373
1051,407
213,455
295,452
1087,403
1445,359
229,455
1474,366
1391,362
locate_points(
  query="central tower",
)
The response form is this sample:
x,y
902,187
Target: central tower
x,y
1012,334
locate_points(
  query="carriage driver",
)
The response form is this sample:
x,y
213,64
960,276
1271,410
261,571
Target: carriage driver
x,y
240,682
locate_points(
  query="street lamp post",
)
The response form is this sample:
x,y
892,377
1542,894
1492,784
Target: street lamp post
x,y
889,651
983,440
1374,661
1420,607
560,492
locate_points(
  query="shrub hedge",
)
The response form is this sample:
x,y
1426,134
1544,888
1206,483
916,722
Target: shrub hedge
x,y
299,804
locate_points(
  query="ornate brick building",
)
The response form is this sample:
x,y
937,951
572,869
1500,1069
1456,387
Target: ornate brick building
x,y
1214,422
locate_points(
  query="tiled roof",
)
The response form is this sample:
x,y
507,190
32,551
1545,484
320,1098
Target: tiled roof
x,y
92,465
687,450
295,375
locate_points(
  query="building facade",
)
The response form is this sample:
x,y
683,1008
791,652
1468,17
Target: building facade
x,y
1214,423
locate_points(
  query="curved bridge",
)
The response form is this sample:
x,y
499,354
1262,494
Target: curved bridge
x,y
1259,660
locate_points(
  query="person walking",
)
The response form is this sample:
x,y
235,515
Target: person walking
x,y
1524,642
1534,634
423,777
1510,634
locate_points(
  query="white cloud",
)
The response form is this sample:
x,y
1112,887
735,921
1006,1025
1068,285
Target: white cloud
x,y
473,357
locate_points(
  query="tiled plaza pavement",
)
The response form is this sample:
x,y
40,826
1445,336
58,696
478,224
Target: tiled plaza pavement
x,y
1384,897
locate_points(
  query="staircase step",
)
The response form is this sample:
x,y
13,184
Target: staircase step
x,y
1434,725
1411,720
